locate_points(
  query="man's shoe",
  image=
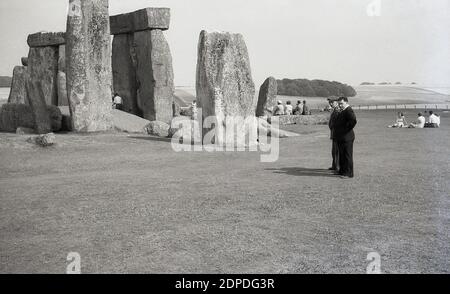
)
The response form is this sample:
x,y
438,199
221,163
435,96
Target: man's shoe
x,y
346,177
332,168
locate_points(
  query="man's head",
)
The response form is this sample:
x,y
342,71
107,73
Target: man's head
x,y
419,114
304,101
288,103
279,102
343,102
299,102
431,112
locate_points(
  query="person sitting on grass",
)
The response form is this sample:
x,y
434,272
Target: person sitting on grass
x,y
299,108
420,124
400,122
433,121
306,110
289,108
278,109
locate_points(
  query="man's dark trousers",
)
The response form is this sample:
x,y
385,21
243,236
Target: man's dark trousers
x,y
345,149
343,133
335,155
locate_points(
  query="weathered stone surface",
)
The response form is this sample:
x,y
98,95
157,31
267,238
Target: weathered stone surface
x,y
124,72
224,84
62,58
141,20
24,131
88,65
18,92
41,114
44,140
24,61
43,68
13,116
154,75
62,90
158,128
176,109
267,97
44,39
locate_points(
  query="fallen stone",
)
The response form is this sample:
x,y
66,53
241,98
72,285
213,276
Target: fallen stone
x,y
124,72
43,39
225,88
13,116
154,76
88,65
43,68
267,97
24,61
140,20
45,140
158,128
62,90
24,131
18,91
129,123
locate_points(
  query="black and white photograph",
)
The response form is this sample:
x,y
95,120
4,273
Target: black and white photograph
x,y
224,137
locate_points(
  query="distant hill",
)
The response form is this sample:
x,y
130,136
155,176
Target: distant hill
x,y
5,81
314,88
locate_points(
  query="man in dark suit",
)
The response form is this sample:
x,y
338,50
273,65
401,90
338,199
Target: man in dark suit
x,y
335,110
343,132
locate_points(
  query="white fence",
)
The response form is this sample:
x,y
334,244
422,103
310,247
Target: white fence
x,y
403,106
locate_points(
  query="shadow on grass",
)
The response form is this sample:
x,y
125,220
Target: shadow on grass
x,y
304,172
150,138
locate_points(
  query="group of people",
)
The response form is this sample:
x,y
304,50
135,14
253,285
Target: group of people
x,y
433,121
342,122
300,109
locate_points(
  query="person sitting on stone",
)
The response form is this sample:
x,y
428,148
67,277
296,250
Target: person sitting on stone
x,y
400,122
432,121
299,108
117,102
420,124
278,109
289,109
306,110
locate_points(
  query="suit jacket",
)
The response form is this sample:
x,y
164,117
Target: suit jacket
x,y
344,124
332,122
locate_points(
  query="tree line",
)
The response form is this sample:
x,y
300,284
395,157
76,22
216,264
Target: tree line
x,y
313,88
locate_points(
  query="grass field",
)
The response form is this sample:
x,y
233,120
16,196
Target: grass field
x,y
129,204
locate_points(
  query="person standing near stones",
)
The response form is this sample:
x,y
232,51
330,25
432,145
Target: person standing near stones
x,y
117,102
335,110
345,137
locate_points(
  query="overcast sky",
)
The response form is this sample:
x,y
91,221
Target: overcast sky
x,y
326,39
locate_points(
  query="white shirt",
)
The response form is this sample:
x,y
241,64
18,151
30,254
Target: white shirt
x,y
117,100
438,119
421,123
433,119
289,109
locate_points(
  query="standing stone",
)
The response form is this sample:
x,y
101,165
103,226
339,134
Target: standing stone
x,y
267,97
62,89
18,92
124,72
62,58
88,65
154,75
224,83
24,61
41,115
43,68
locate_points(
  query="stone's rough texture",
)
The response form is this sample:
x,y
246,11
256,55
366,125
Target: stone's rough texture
x,y
62,90
141,20
176,109
24,61
13,116
46,39
24,131
45,140
154,75
62,58
43,68
88,65
18,92
129,123
124,72
158,128
41,114
267,97
224,82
